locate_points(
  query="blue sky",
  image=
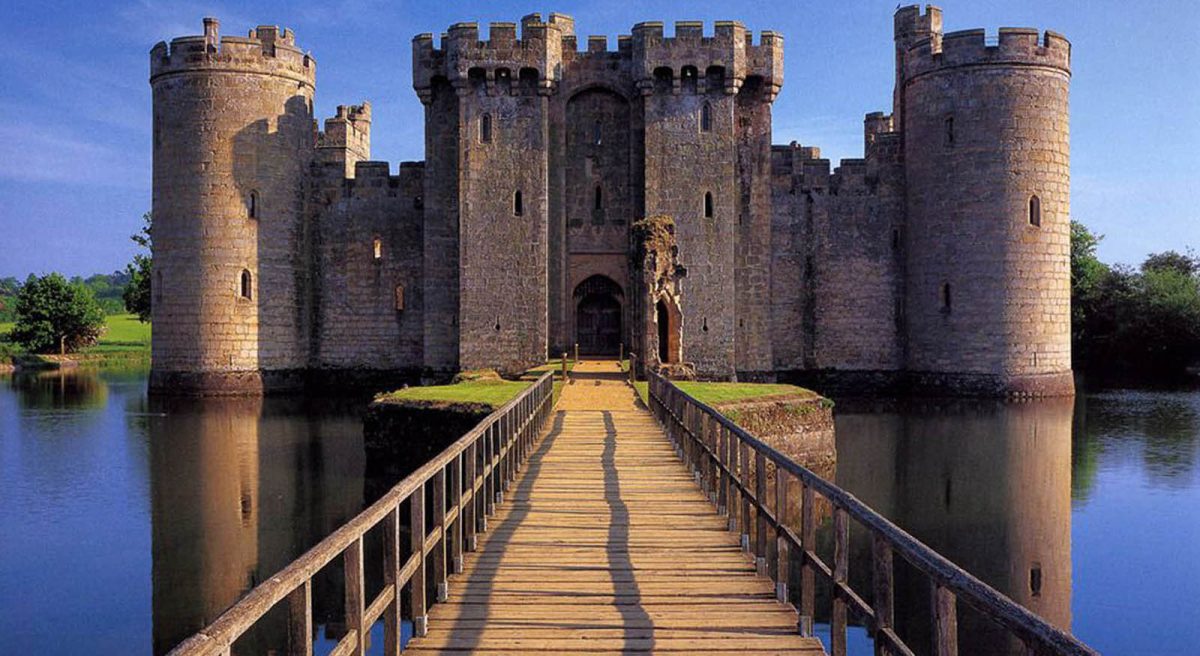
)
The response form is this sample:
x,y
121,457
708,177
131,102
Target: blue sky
x,y
75,139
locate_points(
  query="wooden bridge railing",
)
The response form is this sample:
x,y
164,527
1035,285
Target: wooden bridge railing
x,y
731,467
478,467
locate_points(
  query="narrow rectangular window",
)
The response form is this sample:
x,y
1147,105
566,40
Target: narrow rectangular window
x,y
518,205
1035,211
485,128
399,297
949,135
377,248
708,205
945,297
706,118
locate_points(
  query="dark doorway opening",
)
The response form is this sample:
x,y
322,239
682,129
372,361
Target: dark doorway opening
x,y
599,325
598,328
664,333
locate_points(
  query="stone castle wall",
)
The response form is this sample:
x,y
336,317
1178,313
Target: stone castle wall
x,y
917,263
986,136
232,143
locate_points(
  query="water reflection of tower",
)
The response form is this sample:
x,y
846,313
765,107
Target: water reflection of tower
x,y
239,488
988,485
204,476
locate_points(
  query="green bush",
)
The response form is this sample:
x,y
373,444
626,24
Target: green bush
x,y
54,314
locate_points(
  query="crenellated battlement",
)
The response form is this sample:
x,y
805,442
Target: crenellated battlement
x,y
266,50
687,62
1012,46
727,58
530,62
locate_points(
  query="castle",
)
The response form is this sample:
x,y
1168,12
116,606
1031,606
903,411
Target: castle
x,y
608,197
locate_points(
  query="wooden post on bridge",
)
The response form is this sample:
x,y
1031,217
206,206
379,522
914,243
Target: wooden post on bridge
x,y
576,352
632,368
564,367
620,352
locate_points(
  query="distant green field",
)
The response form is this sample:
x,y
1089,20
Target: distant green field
x,y
125,335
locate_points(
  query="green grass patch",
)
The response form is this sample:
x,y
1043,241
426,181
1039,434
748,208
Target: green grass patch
x,y
643,391
716,393
491,392
125,335
554,365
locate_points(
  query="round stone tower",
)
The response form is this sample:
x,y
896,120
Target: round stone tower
x,y
233,141
987,238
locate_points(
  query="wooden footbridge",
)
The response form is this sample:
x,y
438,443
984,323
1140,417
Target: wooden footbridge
x,y
597,526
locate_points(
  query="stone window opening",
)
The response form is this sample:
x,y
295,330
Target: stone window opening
x,y
399,298
704,325
252,205
706,118
1035,579
895,239
708,205
946,297
418,203
599,199
518,204
504,81
664,79
949,131
1035,211
497,326
485,128
377,248
687,79
247,288
597,133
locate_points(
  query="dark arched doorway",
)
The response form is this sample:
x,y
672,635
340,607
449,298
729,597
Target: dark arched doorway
x,y
666,315
598,316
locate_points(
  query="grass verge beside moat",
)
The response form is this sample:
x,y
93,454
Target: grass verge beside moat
x,y
477,387
717,393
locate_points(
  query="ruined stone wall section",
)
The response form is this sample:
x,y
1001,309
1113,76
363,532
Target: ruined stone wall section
x,y
370,301
986,131
233,139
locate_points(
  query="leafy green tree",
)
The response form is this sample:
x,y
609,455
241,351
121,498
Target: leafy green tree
x,y
54,315
1185,263
1088,277
139,288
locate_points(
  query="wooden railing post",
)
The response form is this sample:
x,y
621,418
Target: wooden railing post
x,y
456,489
731,457
808,537
469,509
722,436
881,575
945,622
300,620
352,561
781,545
391,579
439,526
760,495
841,571
744,464
564,367
417,543
620,353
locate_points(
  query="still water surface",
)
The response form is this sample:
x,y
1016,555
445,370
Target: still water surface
x,y
129,522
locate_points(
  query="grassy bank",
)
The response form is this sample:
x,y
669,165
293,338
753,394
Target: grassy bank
x,y
491,392
714,394
125,340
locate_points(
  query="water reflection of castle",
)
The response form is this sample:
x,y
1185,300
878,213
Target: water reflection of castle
x,y
988,485
240,487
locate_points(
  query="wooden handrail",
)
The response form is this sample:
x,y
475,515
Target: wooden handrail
x,y
490,454
718,451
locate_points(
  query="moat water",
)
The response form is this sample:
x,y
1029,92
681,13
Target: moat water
x,y
131,522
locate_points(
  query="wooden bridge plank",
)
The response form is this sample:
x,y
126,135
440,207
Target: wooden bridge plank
x,y
605,544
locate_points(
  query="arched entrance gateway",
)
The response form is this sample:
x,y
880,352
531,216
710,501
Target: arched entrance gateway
x,y
598,316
